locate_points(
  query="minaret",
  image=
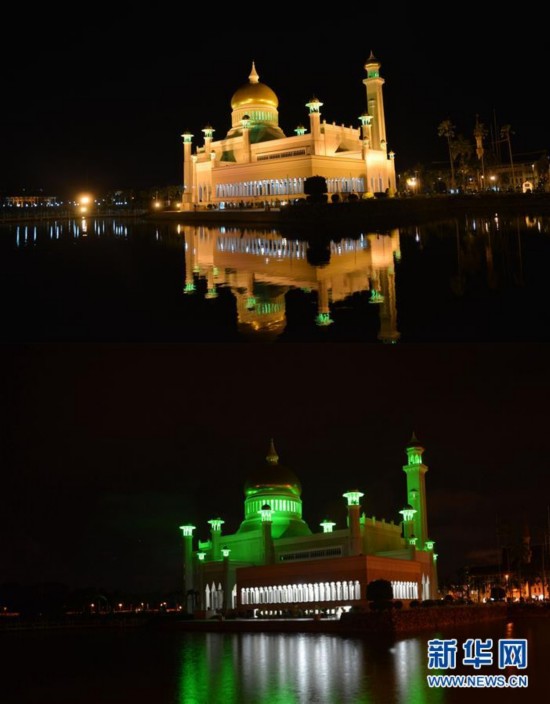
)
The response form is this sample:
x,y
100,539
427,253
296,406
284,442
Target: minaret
x,y
188,169
375,98
188,582
315,106
354,521
208,132
215,536
416,491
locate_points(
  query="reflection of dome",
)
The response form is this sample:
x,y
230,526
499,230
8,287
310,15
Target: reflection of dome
x,y
254,93
272,476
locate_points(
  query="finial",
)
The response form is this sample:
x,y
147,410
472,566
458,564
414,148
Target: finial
x,y
372,57
414,440
254,77
272,457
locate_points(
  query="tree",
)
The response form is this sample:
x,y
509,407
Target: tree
x,y
505,133
379,590
447,129
316,188
462,149
480,133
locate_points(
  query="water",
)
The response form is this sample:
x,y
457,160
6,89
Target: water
x,y
477,279
108,667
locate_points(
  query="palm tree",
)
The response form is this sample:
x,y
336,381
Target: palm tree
x,y
462,149
480,133
447,129
505,133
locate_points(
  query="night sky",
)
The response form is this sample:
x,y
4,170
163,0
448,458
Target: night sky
x,y
106,451
100,108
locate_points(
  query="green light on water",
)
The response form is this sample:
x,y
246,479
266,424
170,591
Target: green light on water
x,y
376,298
324,320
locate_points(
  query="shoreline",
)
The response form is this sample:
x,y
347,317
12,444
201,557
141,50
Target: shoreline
x,y
386,622
342,217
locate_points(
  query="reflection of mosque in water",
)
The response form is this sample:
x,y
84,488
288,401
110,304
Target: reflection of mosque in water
x,y
261,267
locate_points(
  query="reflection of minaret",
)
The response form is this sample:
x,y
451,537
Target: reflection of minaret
x,y
190,238
212,291
389,333
323,316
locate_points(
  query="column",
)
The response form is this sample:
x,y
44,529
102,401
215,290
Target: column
x,y
215,536
314,107
188,170
267,539
354,524
188,581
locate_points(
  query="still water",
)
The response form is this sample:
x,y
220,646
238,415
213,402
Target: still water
x,y
108,667
476,279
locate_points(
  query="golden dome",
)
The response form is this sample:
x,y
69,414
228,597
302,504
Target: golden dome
x,y
254,93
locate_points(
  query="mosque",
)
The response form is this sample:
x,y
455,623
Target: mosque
x,y
256,163
275,562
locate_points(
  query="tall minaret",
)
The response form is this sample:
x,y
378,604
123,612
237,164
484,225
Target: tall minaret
x,y
375,98
416,491
188,170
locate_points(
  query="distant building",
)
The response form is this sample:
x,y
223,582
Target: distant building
x,y
257,163
274,562
27,201
521,573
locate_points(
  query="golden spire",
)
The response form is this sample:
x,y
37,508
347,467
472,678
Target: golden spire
x,y
272,457
254,77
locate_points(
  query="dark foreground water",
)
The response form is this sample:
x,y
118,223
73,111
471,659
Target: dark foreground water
x,y
470,280
140,667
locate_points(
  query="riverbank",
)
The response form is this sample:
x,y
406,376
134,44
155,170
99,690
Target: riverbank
x,y
389,621
25,216
386,213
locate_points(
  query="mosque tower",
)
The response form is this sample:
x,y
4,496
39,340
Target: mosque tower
x,y
375,100
415,470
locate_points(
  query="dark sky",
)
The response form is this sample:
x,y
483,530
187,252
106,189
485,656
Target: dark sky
x,y
106,451
94,107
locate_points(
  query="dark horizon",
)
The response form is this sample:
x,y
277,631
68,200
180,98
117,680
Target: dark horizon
x,y
112,118
107,450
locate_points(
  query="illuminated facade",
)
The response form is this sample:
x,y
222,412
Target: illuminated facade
x,y
274,562
261,267
257,163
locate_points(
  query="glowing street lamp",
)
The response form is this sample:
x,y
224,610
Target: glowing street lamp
x,y
84,203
